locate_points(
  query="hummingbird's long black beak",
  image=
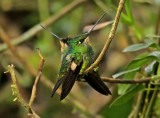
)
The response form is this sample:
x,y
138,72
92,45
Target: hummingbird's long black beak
x,y
90,30
51,32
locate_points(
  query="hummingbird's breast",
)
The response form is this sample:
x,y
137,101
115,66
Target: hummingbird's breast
x,y
83,52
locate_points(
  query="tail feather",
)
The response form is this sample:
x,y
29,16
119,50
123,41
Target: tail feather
x,y
59,82
94,80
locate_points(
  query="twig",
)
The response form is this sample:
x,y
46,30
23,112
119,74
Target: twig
x,y
34,89
150,104
146,102
35,29
98,26
43,79
121,81
138,105
14,86
17,94
111,36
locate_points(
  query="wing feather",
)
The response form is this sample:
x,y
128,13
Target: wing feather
x,y
94,80
58,83
69,81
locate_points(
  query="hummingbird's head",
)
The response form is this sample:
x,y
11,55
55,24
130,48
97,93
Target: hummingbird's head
x,y
80,39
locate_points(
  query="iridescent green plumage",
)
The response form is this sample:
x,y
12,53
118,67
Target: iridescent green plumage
x,y
77,56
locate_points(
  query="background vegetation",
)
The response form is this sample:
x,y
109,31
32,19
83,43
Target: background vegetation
x,y
133,55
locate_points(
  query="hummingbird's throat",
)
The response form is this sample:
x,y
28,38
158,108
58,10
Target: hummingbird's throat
x,y
87,40
63,46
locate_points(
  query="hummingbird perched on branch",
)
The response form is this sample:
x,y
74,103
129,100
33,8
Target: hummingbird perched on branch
x,y
77,56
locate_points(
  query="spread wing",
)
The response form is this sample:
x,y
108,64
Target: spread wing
x,y
95,81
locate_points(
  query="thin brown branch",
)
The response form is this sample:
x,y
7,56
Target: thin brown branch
x,y
17,94
43,79
110,38
34,89
35,29
122,81
98,26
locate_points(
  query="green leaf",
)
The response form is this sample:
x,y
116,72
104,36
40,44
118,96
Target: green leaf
x,y
152,42
150,69
122,88
136,47
116,111
140,46
128,95
125,19
155,55
139,62
143,55
136,63
149,41
124,72
144,59
128,10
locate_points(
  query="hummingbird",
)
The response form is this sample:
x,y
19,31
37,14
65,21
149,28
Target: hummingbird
x,y
77,56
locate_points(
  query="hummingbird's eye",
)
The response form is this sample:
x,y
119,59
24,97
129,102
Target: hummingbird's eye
x,y
81,41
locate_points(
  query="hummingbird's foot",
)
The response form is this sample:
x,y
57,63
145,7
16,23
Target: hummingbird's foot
x,y
96,69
